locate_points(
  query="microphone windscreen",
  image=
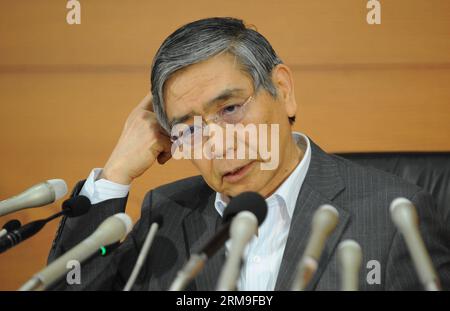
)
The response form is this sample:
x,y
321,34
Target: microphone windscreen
x,y
12,225
59,186
76,206
246,201
126,221
158,219
403,213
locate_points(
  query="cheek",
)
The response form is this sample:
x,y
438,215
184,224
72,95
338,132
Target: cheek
x,y
263,115
205,168
267,111
200,165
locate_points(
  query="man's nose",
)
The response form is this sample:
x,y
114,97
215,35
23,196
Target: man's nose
x,y
221,146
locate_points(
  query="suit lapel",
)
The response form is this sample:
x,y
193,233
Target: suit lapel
x,y
321,186
199,226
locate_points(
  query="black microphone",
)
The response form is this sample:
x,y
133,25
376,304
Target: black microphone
x,y
246,201
72,207
76,206
11,225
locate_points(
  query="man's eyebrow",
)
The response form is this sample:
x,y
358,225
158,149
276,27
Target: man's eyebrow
x,y
181,119
224,95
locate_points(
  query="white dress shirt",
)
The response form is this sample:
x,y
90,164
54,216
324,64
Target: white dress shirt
x,y
99,190
263,255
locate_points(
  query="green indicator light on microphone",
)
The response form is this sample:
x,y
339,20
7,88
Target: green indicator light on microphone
x,y
103,249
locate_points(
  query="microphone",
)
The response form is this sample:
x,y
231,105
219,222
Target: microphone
x,y
11,225
75,206
39,195
349,256
111,230
154,227
249,201
404,216
72,207
324,222
243,227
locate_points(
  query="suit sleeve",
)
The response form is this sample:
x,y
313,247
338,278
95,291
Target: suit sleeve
x,y
400,271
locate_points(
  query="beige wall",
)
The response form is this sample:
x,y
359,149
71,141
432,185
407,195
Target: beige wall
x,y
65,91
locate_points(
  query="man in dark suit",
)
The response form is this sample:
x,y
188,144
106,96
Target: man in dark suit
x,y
228,74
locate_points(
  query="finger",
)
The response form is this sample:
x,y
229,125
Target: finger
x,y
146,102
166,154
165,143
163,157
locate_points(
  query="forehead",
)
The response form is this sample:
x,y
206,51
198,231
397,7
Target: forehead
x,y
188,89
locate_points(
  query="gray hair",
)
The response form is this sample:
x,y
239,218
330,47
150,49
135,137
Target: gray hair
x,y
203,39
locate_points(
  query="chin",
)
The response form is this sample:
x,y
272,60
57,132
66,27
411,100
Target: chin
x,y
234,190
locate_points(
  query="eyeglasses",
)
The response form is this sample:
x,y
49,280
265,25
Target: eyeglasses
x,y
230,114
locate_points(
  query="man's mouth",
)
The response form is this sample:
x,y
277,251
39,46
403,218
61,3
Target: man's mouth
x,y
237,173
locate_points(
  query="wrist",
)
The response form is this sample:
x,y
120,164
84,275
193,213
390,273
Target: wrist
x,y
114,176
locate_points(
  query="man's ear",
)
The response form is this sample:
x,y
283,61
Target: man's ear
x,y
284,83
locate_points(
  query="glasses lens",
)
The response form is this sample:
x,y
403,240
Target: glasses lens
x,y
235,113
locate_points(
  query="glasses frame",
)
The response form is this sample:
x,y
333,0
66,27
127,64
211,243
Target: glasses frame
x,y
215,119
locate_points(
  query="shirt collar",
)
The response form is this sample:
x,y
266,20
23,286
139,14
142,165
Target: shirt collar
x,y
290,188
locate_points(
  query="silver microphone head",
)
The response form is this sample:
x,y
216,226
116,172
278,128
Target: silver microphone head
x,y
59,187
405,218
38,195
349,256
